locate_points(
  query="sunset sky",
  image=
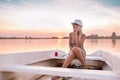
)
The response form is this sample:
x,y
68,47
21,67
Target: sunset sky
x,y
46,18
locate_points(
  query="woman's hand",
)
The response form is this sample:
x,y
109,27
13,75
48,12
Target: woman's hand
x,y
78,31
76,34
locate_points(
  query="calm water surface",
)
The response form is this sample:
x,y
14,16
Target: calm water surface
x,y
8,46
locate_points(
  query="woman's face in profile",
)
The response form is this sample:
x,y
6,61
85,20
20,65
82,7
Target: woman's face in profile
x,y
76,27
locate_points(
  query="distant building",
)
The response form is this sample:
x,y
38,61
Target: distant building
x,y
114,36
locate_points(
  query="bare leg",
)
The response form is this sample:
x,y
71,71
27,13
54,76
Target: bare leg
x,y
78,53
66,63
68,60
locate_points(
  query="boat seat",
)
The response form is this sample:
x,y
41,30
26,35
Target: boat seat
x,y
79,73
94,58
63,55
87,58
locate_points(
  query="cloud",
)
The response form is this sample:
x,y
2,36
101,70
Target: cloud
x,y
56,15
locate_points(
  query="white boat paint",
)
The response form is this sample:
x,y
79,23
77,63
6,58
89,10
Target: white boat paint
x,y
79,73
18,62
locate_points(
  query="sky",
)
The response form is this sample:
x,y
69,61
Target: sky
x,y
46,18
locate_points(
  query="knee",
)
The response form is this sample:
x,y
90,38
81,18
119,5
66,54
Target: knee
x,y
71,55
76,49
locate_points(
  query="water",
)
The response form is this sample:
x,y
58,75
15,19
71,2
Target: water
x,y
8,46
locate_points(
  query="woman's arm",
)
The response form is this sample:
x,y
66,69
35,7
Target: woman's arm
x,y
70,39
81,41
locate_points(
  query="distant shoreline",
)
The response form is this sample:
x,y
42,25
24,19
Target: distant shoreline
x,y
50,38
92,36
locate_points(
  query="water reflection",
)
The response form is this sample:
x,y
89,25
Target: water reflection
x,y
114,42
58,43
94,40
22,45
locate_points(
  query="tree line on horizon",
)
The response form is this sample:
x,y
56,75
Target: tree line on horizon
x,y
92,36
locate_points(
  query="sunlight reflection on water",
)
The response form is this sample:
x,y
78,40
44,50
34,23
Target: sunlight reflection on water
x,y
23,45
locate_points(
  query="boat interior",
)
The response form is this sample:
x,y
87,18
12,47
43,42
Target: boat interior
x,y
75,64
92,65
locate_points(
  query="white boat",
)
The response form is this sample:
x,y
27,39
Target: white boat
x,y
42,65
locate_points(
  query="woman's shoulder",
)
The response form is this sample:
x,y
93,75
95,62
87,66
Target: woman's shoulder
x,y
71,33
84,35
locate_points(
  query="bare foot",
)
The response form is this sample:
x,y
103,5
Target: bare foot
x,y
55,77
85,67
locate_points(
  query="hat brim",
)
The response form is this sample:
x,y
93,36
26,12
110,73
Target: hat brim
x,y
76,23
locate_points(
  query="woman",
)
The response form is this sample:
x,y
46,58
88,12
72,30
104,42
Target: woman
x,y
76,42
